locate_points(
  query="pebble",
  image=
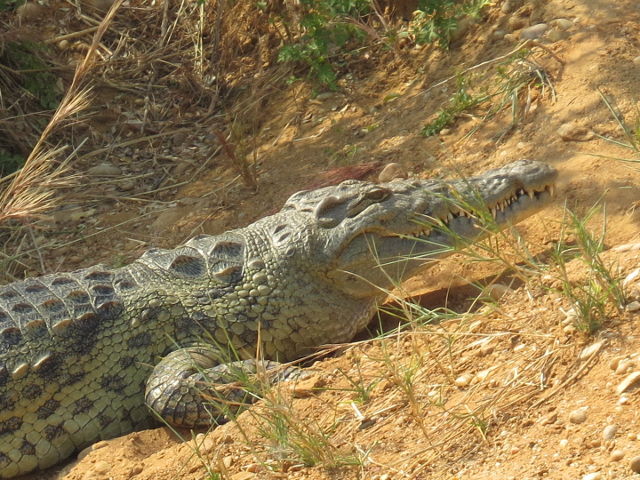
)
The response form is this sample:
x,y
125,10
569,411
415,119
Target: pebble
x,y
127,185
609,432
104,169
624,366
561,23
614,363
571,131
487,348
636,60
498,290
624,400
616,455
510,6
631,277
463,381
633,306
102,467
579,415
626,247
555,35
63,44
391,171
630,382
516,23
590,350
534,31
563,443
592,476
243,476
635,464
29,11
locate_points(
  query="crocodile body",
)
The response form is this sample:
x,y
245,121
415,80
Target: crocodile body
x,y
87,355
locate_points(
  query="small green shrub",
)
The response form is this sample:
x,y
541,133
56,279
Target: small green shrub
x,y
435,21
34,73
324,28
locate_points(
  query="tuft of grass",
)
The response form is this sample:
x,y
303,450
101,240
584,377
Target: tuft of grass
x,y
630,131
461,101
602,292
509,86
293,439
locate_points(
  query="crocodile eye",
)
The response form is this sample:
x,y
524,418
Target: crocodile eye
x,y
378,194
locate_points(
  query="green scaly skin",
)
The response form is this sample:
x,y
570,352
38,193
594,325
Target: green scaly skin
x,y
88,355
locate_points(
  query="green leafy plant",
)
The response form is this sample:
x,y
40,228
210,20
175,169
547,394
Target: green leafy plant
x,y
324,28
435,21
34,72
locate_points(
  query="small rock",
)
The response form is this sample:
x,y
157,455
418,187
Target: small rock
x,y
104,169
243,476
626,247
63,44
445,131
462,381
325,96
636,60
630,382
29,11
631,277
592,476
633,306
487,349
102,467
510,6
613,364
569,329
555,35
573,132
589,351
635,464
624,400
563,443
616,455
561,23
609,432
497,291
534,31
516,23
227,461
127,185
624,366
579,415
391,171
499,34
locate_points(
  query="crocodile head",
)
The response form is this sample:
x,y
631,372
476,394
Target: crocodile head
x,y
370,236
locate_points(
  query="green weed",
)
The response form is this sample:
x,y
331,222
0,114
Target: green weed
x,y
323,30
436,21
508,85
25,58
601,293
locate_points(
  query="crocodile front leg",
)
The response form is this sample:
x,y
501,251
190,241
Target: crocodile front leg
x,y
190,388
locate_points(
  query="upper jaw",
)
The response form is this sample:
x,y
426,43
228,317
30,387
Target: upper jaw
x,y
498,197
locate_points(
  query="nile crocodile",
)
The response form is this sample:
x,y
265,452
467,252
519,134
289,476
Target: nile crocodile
x,y
100,352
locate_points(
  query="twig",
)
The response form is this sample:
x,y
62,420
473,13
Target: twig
x,y
240,165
